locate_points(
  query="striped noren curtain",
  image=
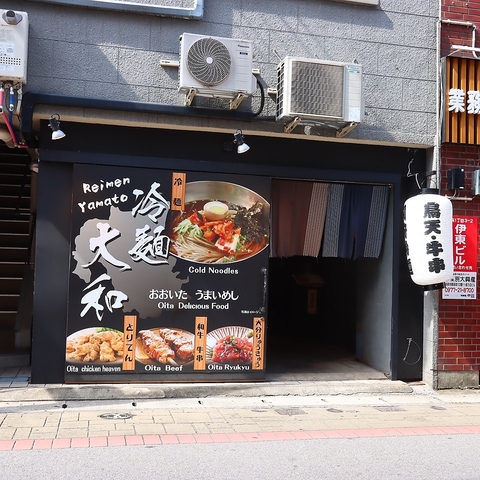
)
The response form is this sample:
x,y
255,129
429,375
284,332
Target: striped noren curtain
x,y
355,222
298,217
349,218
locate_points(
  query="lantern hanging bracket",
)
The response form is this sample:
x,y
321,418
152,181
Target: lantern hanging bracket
x,y
420,178
465,199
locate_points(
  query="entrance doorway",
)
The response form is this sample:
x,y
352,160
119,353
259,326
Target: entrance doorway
x,y
329,317
314,322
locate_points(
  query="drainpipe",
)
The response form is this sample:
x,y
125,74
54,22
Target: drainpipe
x,y
194,13
471,25
432,300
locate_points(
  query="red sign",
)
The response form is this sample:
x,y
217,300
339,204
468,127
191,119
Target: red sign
x,y
465,244
463,284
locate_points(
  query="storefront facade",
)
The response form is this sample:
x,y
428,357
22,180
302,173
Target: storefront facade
x,y
114,274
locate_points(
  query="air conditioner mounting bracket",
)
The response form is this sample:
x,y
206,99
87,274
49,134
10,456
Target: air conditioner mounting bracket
x,y
289,127
346,129
235,102
189,96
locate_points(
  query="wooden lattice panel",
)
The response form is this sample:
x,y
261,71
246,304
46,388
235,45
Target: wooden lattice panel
x,y
462,119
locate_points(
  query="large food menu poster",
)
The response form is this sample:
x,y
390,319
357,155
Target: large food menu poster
x,y
168,276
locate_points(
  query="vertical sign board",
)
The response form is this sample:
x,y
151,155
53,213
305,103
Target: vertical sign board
x,y
168,276
461,112
463,284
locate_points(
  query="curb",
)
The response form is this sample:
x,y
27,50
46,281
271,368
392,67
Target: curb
x,y
199,390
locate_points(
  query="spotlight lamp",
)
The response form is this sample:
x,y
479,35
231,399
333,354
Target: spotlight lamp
x,y
239,140
54,124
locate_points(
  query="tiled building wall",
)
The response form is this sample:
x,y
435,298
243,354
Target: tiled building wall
x,y
87,52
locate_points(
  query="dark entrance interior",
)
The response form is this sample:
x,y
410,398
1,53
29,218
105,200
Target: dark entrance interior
x,y
311,301
312,312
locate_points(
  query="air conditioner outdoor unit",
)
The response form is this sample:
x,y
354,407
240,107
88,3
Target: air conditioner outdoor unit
x,y
216,67
13,46
313,90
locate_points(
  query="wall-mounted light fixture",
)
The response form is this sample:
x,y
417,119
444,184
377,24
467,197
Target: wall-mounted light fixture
x,y
237,144
239,140
456,181
54,124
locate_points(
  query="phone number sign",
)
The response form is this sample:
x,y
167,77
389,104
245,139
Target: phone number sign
x,y
463,284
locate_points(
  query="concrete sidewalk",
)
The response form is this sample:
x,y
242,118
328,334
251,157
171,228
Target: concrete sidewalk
x,y
99,423
71,416
15,387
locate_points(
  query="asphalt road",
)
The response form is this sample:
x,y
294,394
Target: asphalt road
x,y
444,457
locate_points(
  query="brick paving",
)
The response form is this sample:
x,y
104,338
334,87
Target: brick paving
x,y
30,427
34,425
42,444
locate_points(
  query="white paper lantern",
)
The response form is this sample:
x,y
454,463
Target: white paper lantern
x,y
428,238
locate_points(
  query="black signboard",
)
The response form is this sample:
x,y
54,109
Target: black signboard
x,y
168,276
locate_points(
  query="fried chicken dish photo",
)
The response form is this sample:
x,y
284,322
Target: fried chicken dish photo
x,y
95,345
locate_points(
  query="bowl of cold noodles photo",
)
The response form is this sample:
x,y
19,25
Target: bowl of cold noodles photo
x,y
222,223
